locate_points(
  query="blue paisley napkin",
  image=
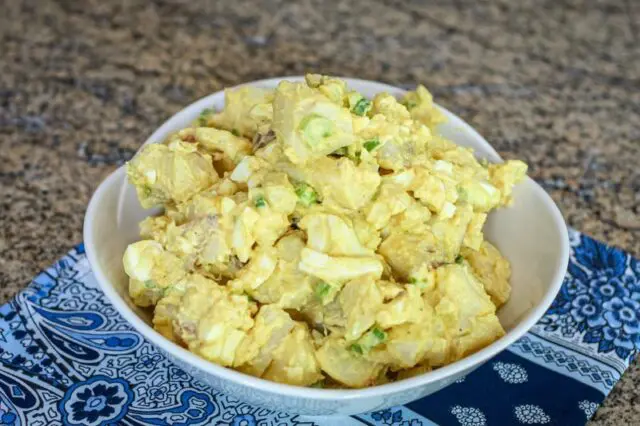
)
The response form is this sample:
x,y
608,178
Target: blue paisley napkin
x,y
68,358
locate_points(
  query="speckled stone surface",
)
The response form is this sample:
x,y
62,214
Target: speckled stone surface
x,y
82,84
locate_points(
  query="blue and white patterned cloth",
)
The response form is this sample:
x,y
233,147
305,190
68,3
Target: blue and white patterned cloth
x,y
66,357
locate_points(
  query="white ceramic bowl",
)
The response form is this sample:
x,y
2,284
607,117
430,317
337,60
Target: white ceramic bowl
x,y
531,234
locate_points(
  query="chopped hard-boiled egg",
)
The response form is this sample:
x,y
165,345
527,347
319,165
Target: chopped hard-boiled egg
x,y
333,235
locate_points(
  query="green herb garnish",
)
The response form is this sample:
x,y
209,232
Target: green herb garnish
x,y
235,132
459,259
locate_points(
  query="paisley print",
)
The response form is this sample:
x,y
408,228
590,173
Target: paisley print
x,y
67,357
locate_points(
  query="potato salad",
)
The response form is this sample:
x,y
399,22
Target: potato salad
x,y
315,237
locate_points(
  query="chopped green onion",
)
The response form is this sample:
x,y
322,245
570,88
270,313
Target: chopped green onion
x,y
459,259
150,284
369,340
356,348
260,202
371,144
322,290
315,128
306,194
235,132
417,282
381,335
361,107
409,104
463,195
203,118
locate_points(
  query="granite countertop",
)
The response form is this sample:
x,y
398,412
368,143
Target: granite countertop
x,y
82,84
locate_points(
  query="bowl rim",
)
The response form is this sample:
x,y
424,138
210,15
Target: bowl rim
x,y
259,384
